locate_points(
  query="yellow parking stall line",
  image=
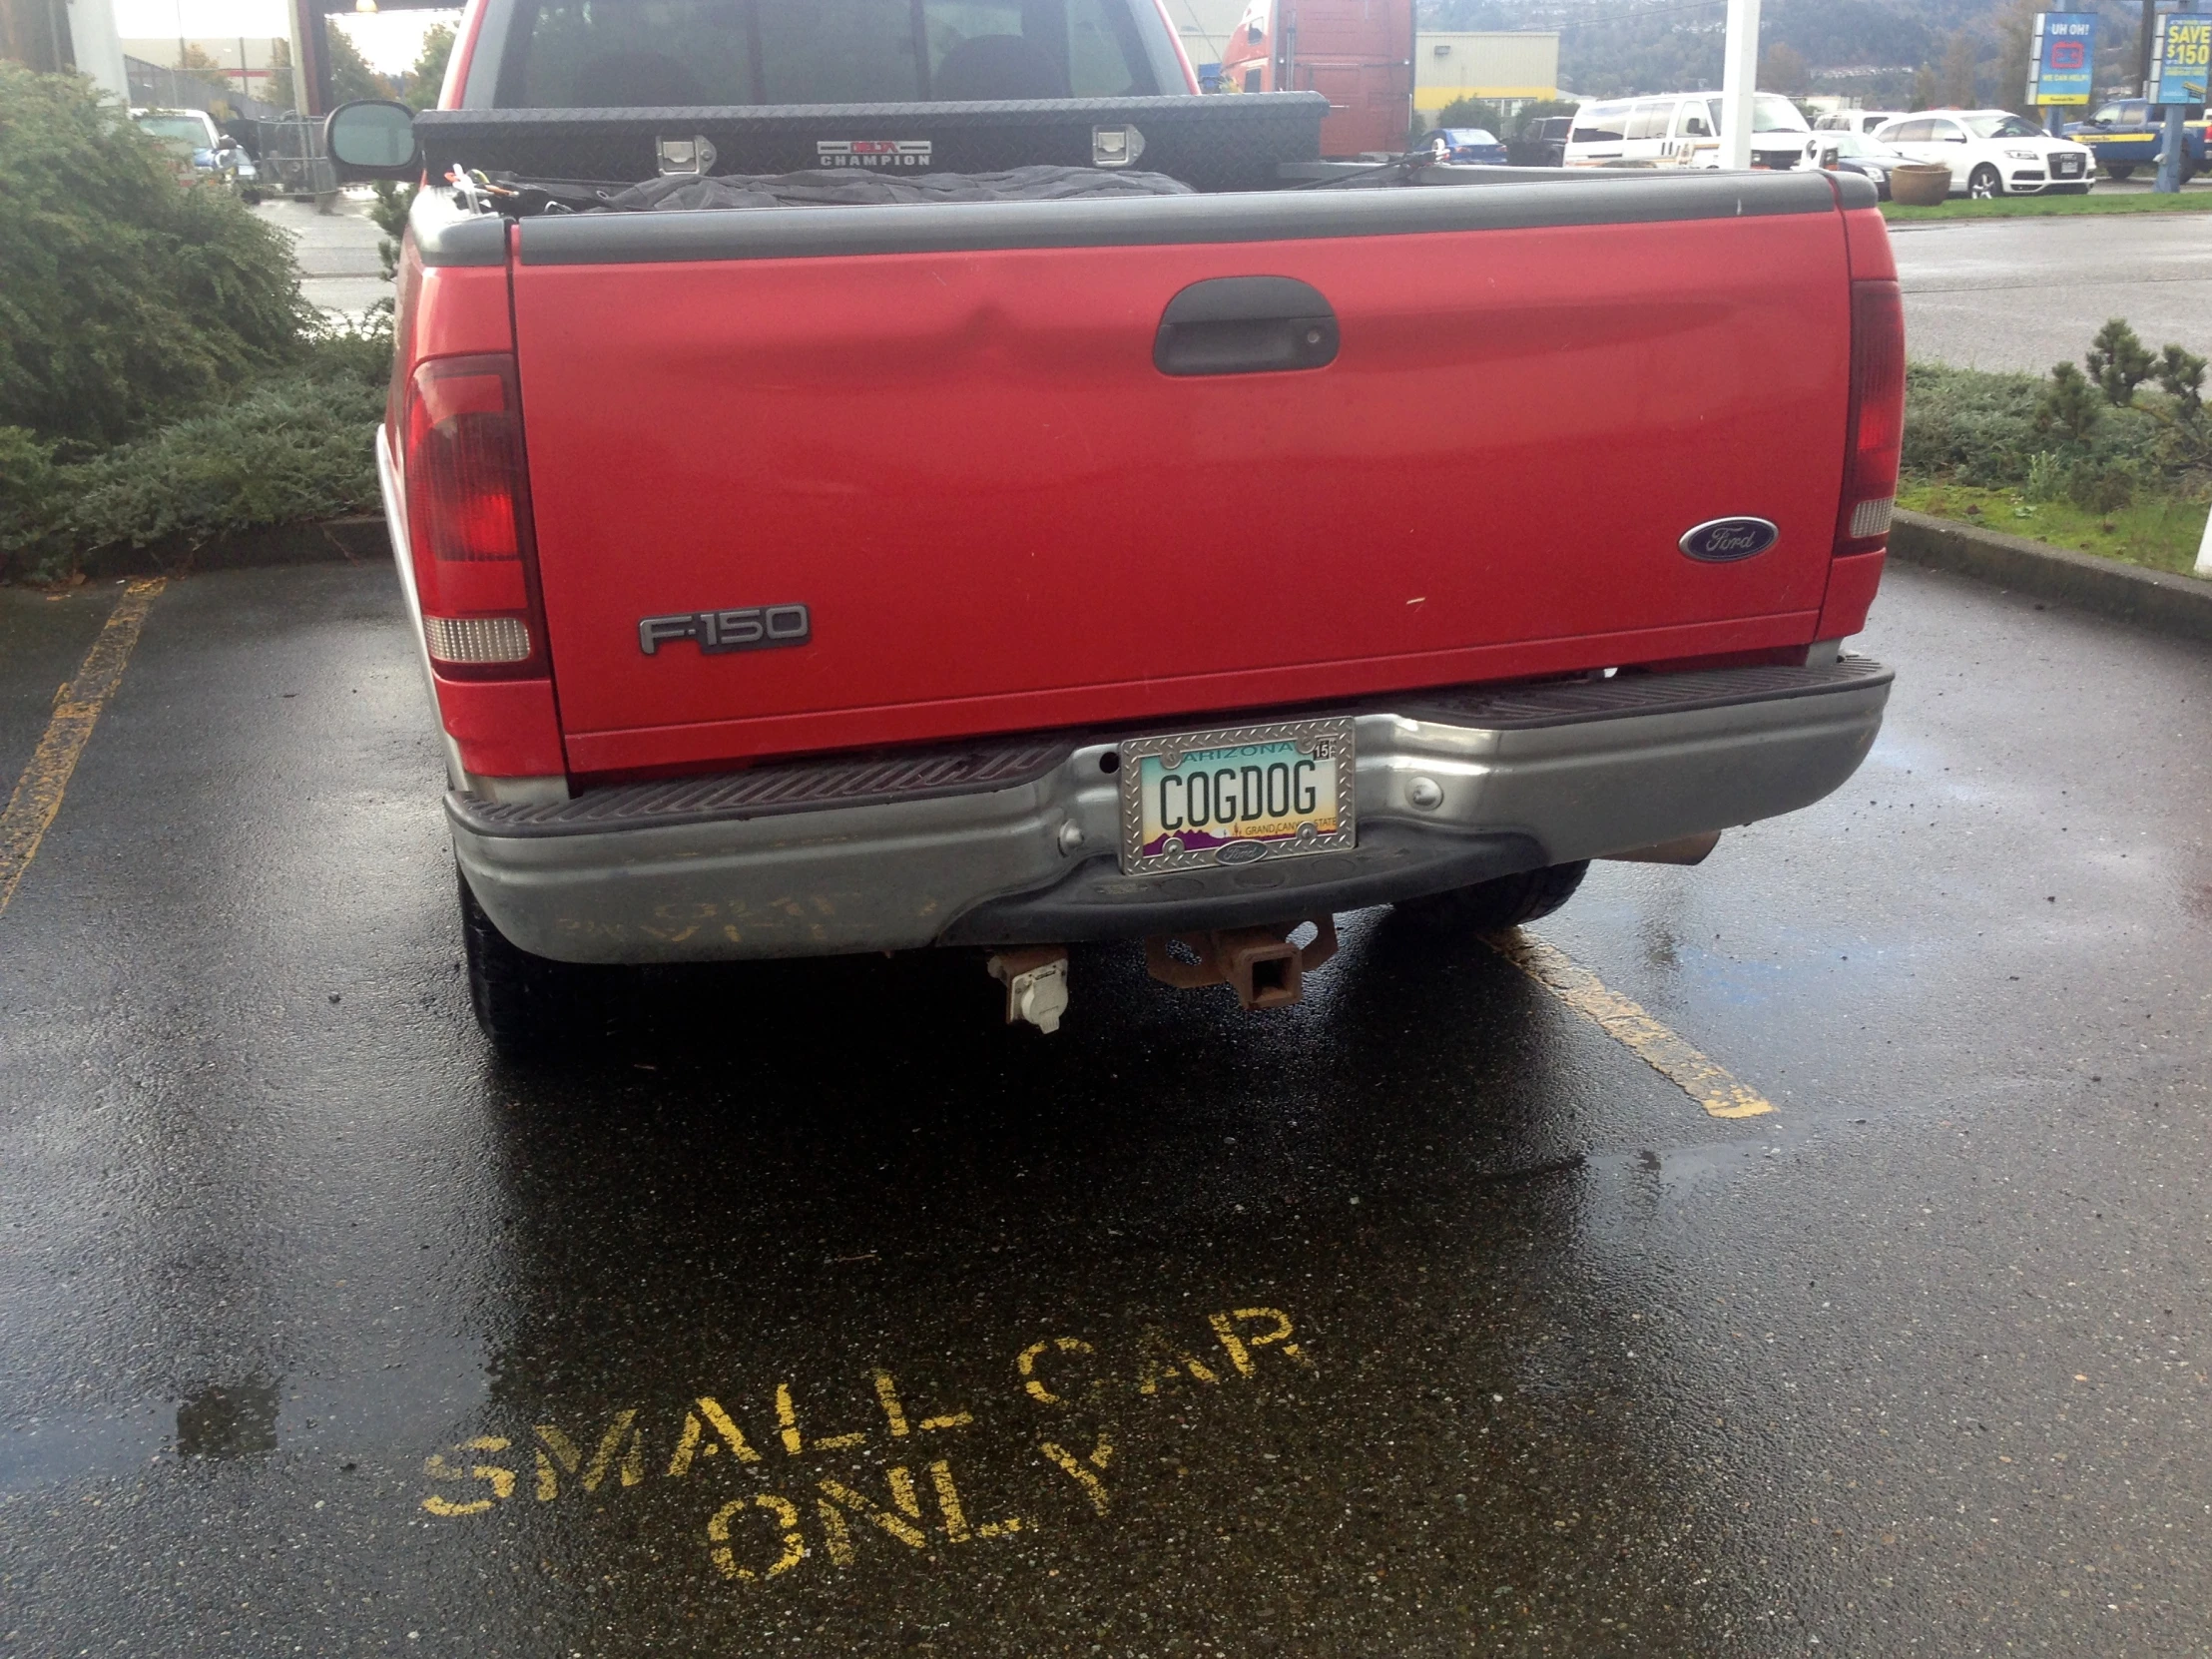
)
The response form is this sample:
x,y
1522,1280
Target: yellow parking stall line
x,y
38,793
1703,1080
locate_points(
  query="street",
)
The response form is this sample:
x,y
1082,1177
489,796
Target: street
x,y
814,1310
2023,294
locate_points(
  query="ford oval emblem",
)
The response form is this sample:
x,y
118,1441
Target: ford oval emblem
x,y
1721,541
1241,852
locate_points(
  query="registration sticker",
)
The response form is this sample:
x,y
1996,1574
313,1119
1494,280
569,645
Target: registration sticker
x,y
1237,796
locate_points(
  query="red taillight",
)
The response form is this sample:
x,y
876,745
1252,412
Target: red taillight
x,y
1876,429
468,518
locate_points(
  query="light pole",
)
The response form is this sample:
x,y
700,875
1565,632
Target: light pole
x,y
1739,80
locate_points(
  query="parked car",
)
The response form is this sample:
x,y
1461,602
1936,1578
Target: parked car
x,y
1466,145
2131,134
1089,561
1863,122
1848,152
1542,143
1993,152
202,147
1682,130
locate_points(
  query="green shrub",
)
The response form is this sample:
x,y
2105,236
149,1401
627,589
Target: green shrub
x,y
2068,407
126,297
2117,362
2100,487
30,491
390,216
2098,438
1976,427
294,446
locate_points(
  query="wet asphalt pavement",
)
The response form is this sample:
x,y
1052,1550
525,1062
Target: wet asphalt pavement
x,y
291,1273
2023,294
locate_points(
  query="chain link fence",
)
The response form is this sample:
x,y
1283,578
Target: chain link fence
x,y
156,88
287,150
292,161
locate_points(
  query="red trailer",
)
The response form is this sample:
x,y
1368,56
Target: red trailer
x,y
1360,53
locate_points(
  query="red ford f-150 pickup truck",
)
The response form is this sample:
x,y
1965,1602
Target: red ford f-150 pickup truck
x,y
873,475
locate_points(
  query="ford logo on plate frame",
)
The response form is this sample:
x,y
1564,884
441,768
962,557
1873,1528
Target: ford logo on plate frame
x,y
1720,541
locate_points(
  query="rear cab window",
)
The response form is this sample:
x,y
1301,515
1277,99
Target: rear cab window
x,y
636,54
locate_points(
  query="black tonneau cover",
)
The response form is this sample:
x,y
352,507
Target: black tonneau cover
x,y
684,192
1210,143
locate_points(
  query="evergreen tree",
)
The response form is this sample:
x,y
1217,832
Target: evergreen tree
x,y
429,73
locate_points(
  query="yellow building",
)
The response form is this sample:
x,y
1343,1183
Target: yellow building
x,y
1511,67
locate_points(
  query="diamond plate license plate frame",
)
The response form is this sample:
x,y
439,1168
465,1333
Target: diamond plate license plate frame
x,y
1334,733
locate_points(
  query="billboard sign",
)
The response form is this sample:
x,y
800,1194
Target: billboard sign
x,y
2063,69
2181,54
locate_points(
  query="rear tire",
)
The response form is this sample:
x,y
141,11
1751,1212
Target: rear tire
x,y
527,1005
2121,170
1492,906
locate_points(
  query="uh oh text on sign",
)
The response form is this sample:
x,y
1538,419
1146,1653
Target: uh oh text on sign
x,y
2062,68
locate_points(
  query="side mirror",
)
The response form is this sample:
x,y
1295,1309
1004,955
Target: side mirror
x,y
372,138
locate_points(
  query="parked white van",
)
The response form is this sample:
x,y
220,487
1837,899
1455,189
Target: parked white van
x,y
1682,129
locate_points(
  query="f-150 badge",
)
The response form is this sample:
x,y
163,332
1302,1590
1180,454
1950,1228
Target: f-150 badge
x,y
1723,540
755,627
871,152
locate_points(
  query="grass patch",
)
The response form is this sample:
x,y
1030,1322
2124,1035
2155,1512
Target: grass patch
x,y
2050,206
2158,533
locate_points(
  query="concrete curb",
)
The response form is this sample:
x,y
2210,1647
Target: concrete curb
x,y
2178,605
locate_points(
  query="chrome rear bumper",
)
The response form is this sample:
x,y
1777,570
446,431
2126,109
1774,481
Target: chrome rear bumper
x,y
1014,840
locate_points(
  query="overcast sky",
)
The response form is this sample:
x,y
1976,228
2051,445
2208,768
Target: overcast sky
x,y
389,41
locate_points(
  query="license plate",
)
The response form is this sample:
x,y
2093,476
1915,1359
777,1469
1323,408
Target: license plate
x,y
2068,167
1236,795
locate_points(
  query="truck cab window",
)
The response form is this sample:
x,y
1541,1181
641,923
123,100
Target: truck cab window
x,y
612,54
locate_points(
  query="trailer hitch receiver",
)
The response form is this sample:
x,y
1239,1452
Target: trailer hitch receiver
x,y
1259,965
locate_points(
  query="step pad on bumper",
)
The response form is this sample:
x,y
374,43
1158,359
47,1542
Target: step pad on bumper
x,y
780,787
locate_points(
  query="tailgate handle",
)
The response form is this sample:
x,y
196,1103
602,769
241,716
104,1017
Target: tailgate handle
x,y
1244,326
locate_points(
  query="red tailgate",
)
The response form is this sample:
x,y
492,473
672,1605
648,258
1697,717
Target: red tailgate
x,y
1001,515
